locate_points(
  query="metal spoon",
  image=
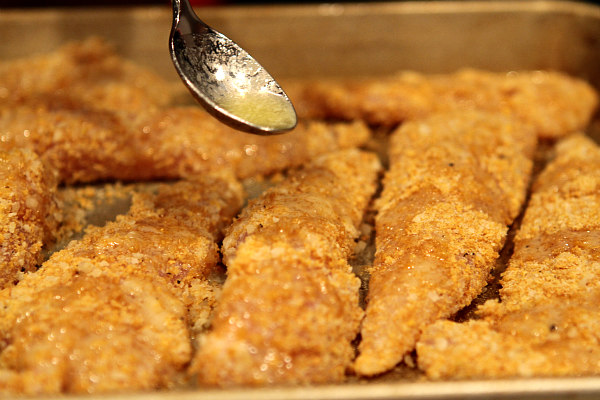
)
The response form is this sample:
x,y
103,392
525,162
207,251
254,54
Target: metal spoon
x,y
225,79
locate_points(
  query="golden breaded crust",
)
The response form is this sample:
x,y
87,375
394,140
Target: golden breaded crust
x,y
92,115
81,145
187,141
554,103
289,307
88,145
547,321
28,210
455,182
83,75
115,310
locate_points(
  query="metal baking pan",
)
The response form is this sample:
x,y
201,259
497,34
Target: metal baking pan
x,y
339,39
352,40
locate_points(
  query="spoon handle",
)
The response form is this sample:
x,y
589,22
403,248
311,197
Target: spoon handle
x,y
185,18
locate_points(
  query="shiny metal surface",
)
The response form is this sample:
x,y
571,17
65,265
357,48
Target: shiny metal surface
x,y
219,73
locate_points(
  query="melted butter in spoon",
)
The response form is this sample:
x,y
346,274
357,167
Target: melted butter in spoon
x,y
261,109
220,75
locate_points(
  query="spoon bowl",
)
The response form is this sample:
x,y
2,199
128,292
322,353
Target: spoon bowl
x,y
225,79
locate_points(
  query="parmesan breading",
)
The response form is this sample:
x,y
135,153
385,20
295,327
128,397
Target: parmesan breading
x,y
455,183
547,322
554,103
82,75
115,310
29,213
91,115
289,309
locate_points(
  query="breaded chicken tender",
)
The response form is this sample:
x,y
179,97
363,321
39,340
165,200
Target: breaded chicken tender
x,y
85,75
89,145
554,103
547,322
188,140
92,115
289,308
28,211
116,310
455,183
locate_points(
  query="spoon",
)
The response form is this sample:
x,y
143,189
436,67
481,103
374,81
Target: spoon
x,y
225,79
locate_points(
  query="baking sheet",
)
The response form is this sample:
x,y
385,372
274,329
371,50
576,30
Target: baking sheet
x,y
343,39
325,40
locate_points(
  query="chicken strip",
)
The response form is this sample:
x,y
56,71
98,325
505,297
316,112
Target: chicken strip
x,y
189,140
289,307
554,103
547,322
115,310
86,145
29,213
88,74
455,183
92,116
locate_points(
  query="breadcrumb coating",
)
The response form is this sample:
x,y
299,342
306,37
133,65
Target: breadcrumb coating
x,y
456,181
289,307
85,75
188,141
554,103
115,310
89,145
547,322
127,307
28,211
92,115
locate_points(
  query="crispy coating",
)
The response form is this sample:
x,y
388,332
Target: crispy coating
x,y
554,103
455,182
115,310
87,75
29,213
289,307
86,145
547,322
92,115
189,141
